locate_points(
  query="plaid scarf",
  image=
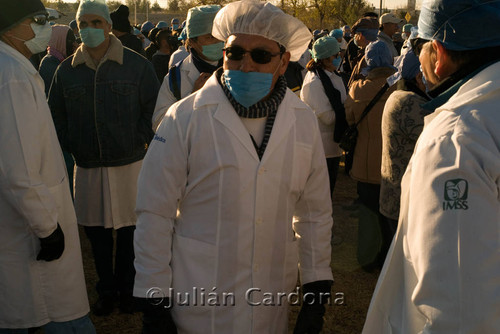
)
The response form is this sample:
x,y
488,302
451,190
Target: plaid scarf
x,y
267,108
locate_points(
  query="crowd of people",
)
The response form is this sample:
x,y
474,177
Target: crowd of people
x,y
200,159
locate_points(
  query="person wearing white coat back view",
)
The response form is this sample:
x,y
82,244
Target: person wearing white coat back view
x,y
326,59
233,193
41,272
442,273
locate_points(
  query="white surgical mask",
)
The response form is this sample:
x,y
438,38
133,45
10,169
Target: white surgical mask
x,y
42,37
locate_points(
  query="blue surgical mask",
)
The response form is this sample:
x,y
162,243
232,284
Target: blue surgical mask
x,y
92,37
175,26
213,51
336,62
424,81
248,88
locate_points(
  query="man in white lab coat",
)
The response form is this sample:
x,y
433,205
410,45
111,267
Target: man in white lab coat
x,y
41,272
442,272
233,193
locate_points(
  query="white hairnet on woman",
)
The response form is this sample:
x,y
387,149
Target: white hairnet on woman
x,y
262,19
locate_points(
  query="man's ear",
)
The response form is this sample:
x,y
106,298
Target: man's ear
x,y
444,66
285,59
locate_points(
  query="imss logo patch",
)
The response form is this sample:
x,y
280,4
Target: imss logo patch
x,y
455,194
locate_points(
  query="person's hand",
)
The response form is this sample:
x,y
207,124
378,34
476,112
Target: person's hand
x,y
156,317
51,247
310,318
200,81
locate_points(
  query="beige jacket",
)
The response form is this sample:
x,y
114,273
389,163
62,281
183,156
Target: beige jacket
x,y
368,152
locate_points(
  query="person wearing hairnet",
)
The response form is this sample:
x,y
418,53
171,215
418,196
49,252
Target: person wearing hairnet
x,y
102,100
233,193
326,58
441,274
192,72
41,270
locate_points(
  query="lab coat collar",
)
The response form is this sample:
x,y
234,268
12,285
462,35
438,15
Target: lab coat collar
x,y
212,93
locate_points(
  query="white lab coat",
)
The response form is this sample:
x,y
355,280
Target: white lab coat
x,y
313,94
442,273
222,218
34,196
189,74
178,55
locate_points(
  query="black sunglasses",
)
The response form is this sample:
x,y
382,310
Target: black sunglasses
x,y
258,55
40,19
417,45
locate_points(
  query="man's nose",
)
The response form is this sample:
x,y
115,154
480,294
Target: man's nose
x,y
247,64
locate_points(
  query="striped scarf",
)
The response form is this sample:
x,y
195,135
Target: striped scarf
x,y
267,108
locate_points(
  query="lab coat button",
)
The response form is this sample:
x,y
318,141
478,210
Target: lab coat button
x,y
258,221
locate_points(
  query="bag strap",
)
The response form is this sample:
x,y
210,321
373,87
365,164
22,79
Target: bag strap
x,y
174,75
332,93
373,102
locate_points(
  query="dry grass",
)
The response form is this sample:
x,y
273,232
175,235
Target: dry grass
x,y
355,284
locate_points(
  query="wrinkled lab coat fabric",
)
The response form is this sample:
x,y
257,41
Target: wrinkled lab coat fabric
x,y
443,269
34,196
224,220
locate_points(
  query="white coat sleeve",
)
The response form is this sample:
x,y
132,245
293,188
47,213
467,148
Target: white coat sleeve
x,y
313,218
161,183
165,99
314,96
22,158
453,232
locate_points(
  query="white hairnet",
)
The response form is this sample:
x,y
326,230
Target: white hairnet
x,y
263,19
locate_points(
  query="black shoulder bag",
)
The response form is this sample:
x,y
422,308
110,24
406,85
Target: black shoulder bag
x,y
333,95
350,137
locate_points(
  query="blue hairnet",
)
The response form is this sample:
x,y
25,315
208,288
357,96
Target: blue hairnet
x,y
407,27
200,20
146,27
182,35
369,34
337,33
460,24
96,7
377,54
162,24
324,47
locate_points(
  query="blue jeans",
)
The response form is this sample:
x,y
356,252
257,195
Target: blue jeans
x,y
81,325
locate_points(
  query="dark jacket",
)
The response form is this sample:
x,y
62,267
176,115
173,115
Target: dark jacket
x,y
103,116
48,67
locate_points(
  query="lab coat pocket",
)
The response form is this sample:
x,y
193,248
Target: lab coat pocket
x,y
193,267
291,265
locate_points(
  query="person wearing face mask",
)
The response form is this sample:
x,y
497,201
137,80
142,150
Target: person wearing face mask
x,y
441,273
41,271
323,65
233,193
192,72
102,101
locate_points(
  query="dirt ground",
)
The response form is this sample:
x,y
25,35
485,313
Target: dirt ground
x,y
352,287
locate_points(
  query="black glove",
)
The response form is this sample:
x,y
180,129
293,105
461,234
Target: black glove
x,y
51,247
156,316
310,318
